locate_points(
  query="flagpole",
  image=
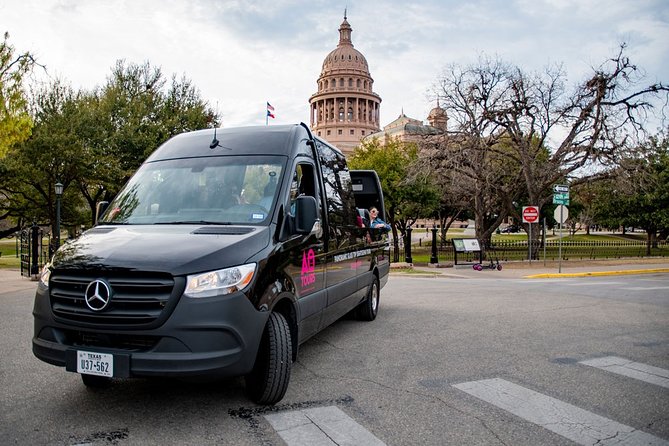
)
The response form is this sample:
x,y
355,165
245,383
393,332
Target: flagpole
x,y
269,111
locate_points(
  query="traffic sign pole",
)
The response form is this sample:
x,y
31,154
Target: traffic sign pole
x,y
560,244
530,215
529,245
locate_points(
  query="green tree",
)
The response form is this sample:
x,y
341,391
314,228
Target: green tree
x,y
638,195
52,154
15,122
92,142
407,197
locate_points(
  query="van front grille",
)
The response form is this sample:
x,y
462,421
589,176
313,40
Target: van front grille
x,y
136,299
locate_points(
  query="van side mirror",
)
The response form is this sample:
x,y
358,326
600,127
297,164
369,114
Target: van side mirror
x,y
306,214
100,209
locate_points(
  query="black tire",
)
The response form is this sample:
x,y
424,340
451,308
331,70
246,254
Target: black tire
x,y
96,382
268,381
369,308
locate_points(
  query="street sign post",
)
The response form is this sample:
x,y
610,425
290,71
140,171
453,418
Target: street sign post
x,y
561,214
561,198
530,215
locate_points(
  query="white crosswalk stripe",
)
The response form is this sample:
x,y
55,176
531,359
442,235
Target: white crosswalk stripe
x,y
576,424
631,369
320,426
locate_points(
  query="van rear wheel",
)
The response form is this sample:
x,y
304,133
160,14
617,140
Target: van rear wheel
x,y
369,308
268,381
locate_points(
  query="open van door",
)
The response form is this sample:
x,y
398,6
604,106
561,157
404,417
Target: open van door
x,y
367,191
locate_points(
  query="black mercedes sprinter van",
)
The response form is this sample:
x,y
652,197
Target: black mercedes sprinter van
x,y
224,252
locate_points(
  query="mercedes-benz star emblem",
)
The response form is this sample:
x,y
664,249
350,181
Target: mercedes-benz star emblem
x,y
97,296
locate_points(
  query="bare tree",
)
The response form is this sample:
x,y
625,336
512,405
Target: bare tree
x,y
545,134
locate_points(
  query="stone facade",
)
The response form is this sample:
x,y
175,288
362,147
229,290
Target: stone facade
x,y
345,109
407,129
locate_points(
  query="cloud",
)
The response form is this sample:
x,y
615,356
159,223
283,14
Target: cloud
x,y
243,53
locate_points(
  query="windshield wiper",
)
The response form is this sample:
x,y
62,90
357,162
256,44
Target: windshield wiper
x,y
194,222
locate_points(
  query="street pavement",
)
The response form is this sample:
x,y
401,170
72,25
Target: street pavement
x,y
456,356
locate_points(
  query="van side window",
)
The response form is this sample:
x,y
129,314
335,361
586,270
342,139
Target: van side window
x,y
342,215
303,182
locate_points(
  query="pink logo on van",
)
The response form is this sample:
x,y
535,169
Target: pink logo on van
x,y
308,268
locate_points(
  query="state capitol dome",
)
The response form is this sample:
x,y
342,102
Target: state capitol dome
x,y
345,56
345,109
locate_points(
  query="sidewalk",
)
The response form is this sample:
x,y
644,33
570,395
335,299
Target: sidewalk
x,y
11,280
537,270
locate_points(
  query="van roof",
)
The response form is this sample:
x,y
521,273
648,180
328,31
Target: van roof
x,y
252,140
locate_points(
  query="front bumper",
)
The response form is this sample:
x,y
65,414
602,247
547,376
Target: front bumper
x,y
208,336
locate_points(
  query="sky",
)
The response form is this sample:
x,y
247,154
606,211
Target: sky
x,y
242,53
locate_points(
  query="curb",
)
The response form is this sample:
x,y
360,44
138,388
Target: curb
x,y
598,273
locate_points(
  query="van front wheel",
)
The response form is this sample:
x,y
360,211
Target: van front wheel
x,y
268,381
369,308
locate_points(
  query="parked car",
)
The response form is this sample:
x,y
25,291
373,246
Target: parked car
x,y
511,229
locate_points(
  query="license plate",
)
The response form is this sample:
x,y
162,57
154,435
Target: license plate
x,y
90,363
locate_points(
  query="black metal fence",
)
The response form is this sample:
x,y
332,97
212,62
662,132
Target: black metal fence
x,y
571,250
34,248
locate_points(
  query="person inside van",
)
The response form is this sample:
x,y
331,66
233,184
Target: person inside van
x,y
376,220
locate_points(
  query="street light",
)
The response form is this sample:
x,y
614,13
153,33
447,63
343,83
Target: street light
x,y
59,193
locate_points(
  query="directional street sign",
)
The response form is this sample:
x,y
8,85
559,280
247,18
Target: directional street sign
x,y
561,199
561,194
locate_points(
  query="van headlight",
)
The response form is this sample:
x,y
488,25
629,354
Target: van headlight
x,y
45,275
220,282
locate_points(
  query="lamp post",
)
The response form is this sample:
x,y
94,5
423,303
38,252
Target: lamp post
x,y
59,193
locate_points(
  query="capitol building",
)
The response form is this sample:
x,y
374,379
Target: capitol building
x,y
345,110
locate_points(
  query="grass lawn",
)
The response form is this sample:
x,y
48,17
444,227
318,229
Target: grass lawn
x,y
8,257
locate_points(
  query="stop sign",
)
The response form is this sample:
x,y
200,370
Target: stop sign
x,y
530,214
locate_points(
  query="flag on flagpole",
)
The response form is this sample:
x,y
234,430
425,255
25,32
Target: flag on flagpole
x,y
270,113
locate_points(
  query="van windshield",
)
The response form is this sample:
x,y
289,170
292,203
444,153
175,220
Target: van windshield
x,y
211,190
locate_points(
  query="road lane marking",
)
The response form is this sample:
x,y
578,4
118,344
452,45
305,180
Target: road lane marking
x,y
564,419
645,288
320,426
631,369
594,283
